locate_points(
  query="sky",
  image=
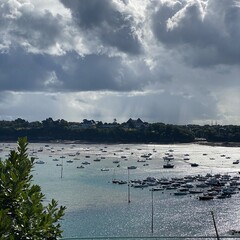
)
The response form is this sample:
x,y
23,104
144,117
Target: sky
x,y
170,61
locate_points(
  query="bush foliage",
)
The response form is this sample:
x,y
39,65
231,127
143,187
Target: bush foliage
x,y
22,212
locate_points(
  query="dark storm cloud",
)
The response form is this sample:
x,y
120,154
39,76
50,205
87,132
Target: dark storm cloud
x,y
101,19
100,72
205,33
21,71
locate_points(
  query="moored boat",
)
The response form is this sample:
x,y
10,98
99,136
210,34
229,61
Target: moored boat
x,y
40,162
194,165
116,161
104,169
97,160
85,163
168,165
132,167
80,166
157,189
195,191
205,197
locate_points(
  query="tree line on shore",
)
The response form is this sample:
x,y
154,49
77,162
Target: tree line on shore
x,y
132,131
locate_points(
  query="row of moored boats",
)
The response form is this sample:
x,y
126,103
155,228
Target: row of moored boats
x,y
206,187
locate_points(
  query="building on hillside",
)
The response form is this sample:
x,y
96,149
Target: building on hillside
x,y
88,124
131,123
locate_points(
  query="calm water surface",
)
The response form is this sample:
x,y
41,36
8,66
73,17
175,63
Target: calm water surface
x,y
96,207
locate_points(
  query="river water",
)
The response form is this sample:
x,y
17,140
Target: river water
x,y
97,207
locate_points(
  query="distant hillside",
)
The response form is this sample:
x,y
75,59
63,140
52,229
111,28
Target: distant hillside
x,y
131,131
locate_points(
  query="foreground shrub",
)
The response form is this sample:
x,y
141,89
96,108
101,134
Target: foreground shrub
x,y
22,213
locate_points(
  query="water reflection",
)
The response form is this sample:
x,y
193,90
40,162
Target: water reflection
x,y
96,207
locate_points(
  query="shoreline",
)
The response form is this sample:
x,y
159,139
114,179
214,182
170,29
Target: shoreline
x,y
213,144
220,144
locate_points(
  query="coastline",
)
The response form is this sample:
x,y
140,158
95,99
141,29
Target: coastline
x,y
56,141
220,144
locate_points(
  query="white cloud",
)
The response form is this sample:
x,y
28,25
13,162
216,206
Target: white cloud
x,y
204,31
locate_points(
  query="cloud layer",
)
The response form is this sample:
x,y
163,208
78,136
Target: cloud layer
x,y
174,61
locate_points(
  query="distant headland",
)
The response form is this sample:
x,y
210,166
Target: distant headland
x,y
131,131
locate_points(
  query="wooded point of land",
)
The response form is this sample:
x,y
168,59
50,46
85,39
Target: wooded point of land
x,y
132,131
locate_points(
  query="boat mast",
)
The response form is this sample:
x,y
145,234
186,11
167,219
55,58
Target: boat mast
x,y
128,187
152,212
215,226
62,169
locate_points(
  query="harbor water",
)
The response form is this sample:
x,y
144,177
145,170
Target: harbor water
x,y
97,207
